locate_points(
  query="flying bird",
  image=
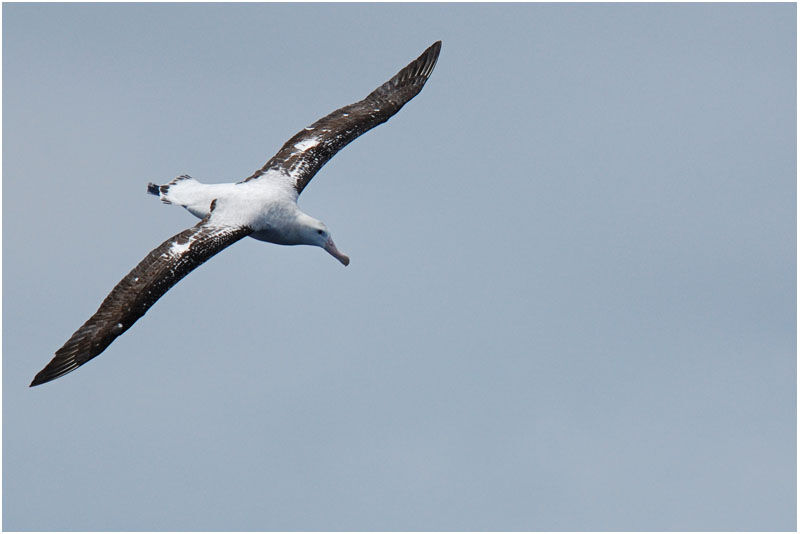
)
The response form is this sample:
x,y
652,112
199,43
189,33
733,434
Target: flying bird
x,y
262,206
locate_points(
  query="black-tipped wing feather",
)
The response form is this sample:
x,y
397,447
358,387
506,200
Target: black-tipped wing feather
x,y
305,153
164,267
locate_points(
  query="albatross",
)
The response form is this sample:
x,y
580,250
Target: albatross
x,y
262,206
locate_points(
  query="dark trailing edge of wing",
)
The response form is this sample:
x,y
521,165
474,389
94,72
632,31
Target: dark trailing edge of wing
x,y
308,150
130,299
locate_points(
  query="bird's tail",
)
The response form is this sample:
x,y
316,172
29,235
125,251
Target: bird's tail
x,y
163,191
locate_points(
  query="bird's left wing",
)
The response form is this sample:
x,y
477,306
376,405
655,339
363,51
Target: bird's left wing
x,y
308,150
164,267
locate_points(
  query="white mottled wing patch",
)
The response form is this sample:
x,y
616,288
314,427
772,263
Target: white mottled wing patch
x,y
305,144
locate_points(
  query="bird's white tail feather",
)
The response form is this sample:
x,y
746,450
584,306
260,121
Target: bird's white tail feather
x,y
188,193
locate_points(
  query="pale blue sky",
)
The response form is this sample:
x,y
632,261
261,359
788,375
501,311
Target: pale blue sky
x,y
571,302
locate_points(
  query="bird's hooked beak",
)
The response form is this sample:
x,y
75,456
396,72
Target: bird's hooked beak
x,y
333,251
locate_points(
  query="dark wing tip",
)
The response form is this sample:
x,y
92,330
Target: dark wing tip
x,y
67,358
41,379
53,370
79,349
434,48
418,71
407,83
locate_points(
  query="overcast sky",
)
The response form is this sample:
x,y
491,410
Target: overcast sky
x,y
571,302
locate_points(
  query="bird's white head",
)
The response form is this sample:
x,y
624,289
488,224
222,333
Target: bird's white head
x,y
315,233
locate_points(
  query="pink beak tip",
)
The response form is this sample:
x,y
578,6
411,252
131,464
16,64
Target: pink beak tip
x,y
333,251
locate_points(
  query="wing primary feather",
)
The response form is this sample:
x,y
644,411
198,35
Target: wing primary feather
x,y
130,299
302,156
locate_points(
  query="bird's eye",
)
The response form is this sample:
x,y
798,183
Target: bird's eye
x,y
320,232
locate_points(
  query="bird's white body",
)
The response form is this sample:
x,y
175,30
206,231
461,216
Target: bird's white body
x,y
268,206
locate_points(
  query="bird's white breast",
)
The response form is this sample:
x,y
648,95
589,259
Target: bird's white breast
x,y
259,204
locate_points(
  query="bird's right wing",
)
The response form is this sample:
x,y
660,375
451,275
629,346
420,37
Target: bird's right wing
x,y
307,151
164,267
